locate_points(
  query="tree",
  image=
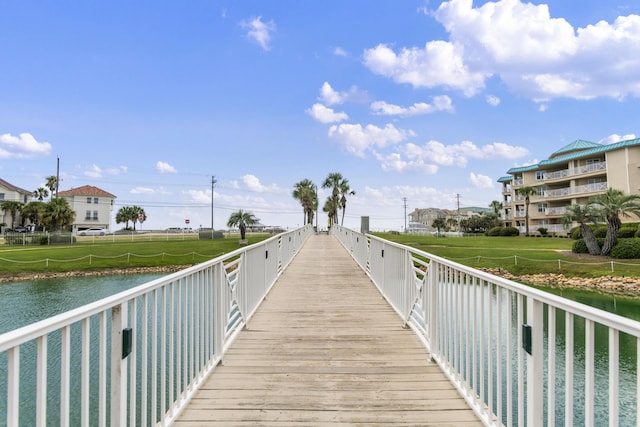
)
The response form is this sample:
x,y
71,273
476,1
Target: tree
x,y
331,209
306,192
526,192
438,224
339,191
497,206
612,205
452,223
137,215
130,213
58,214
582,215
34,212
13,207
41,193
241,220
52,185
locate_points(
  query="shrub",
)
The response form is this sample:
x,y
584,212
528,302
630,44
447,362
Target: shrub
x,y
579,247
600,231
509,231
542,231
208,235
575,233
626,249
627,232
495,231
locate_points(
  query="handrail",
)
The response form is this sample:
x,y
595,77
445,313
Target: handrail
x,y
169,334
476,327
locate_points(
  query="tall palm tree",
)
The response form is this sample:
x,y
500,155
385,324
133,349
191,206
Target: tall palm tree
x,y
582,215
124,215
331,208
306,192
13,207
137,215
612,205
58,213
497,206
339,191
241,220
526,192
52,185
41,193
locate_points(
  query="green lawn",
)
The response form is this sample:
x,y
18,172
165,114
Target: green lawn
x,y
519,255
105,252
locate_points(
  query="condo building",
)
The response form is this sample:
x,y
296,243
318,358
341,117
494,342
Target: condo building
x,y
569,176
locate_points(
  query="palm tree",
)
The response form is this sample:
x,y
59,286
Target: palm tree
x,y
331,208
438,224
582,215
52,185
452,223
124,215
13,207
34,212
339,191
58,214
526,192
241,220
41,193
306,192
497,206
613,204
137,215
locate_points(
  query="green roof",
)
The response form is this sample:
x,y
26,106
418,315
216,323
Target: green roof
x,y
505,179
597,149
577,145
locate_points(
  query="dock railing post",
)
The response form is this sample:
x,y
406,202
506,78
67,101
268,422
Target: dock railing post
x,y
535,364
430,304
118,367
218,310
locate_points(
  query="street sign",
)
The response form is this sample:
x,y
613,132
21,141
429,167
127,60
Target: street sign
x,y
186,221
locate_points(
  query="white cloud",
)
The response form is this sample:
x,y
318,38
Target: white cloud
x,y
533,53
611,139
329,96
260,32
358,140
324,114
252,183
492,100
480,181
459,154
395,163
440,103
142,190
96,171
439,63
24,146
338,51
164,167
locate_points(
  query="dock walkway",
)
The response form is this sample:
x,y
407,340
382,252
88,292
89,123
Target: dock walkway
x,y
325,349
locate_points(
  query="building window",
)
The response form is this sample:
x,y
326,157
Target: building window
x,y
89,200
1,196
87,216
593,181
542,207
95,200
593,161
95,215
540,175
541,190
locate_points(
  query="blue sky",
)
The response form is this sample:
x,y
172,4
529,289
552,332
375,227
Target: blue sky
x,y
426,101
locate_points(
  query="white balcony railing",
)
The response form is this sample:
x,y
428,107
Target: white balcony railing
x,y
177,329
581,170
519,356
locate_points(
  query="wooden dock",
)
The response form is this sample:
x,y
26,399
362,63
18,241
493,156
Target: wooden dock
x,y
325,349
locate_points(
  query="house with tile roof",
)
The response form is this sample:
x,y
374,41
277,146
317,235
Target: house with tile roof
x,y
570,176
10,192
92,205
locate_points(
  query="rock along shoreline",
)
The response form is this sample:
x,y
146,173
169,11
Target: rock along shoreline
x,y
20,277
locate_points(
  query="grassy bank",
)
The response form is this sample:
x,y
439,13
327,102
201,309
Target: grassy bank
x,y
519,255
104,253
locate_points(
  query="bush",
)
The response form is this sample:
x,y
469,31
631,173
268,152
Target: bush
x,y
542,231
208,235
627,232
495,231
509,231
600,231
575,233
626,249
580,247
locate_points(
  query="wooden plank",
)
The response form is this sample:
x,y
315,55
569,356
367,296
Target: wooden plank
x,y
326,349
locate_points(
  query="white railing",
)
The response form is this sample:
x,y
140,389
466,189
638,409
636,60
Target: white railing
x,y
137,357
519,356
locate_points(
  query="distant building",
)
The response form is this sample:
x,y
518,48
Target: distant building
x,y
10,192
421,220
569,176
92,205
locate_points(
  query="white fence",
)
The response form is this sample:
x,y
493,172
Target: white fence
x,y
137,357
519,356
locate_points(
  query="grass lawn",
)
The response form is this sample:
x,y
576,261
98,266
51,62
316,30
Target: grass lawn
x,y
105,252
518,255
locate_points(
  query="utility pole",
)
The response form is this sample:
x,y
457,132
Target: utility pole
x,y
458,201
213,183
405,213
57,177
